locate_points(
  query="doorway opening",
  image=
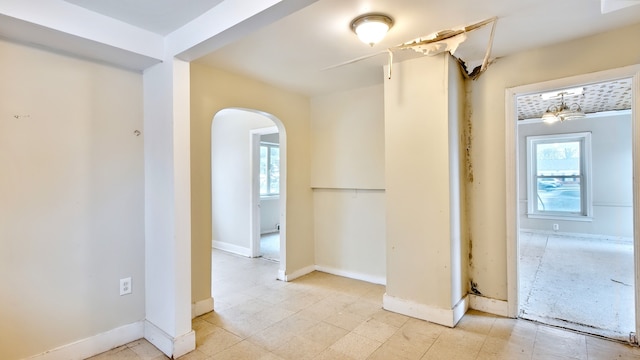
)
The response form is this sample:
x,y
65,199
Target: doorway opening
x,y
265,164
573,254
248,199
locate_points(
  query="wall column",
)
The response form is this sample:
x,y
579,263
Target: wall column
x,y
426,268
168,208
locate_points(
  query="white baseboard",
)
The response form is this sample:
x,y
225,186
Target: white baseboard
x,y
95,344
353,275
239,250
446,317
296,274
488,305
616,238
170,346
201,307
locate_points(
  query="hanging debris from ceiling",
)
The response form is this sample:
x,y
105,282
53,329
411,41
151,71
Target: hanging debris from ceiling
x,y
472,62
450,40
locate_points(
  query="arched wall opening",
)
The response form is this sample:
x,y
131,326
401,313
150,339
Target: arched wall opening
x,y
235,182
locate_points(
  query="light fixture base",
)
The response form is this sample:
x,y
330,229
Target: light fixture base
x,y
371,28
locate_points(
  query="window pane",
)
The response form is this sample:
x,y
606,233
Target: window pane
x,y
558,177
274,170
263,170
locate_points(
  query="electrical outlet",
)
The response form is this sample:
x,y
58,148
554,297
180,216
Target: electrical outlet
x,y
125,286
556,227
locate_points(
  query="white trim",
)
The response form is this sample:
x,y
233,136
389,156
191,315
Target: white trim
x,y
255,198
201,307
488,305
170,346
296,274
96,344
235,249
512,205
584,141
381,280
446,317
579,235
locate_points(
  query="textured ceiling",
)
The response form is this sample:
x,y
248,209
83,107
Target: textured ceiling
x,y
606,96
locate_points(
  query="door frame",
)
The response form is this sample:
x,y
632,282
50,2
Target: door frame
x,y
511,172
254,215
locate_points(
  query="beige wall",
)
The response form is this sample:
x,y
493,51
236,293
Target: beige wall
x,y
423,199
347,159
487,191
348,139
71,199
211,91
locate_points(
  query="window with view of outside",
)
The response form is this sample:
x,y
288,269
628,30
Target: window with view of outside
x,y
269,169
558,168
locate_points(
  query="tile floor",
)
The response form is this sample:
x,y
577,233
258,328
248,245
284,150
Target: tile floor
x,y
584,284
270,246
321,316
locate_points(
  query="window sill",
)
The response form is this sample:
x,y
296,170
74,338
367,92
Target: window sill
x,y
270,197
561,217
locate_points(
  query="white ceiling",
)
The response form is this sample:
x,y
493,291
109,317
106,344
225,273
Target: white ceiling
x,y
158,16
293,51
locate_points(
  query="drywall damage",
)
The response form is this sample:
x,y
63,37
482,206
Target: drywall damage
x,y
471,60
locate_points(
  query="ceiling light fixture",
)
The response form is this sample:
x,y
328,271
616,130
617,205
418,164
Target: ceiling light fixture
x,y
562,112
371,28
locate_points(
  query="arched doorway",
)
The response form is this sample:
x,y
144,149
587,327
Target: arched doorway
x,y
235,181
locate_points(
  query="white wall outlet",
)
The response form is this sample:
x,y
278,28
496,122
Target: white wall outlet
x,y
556,227
125,286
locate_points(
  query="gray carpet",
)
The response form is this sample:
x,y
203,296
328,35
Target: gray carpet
x,y
578,283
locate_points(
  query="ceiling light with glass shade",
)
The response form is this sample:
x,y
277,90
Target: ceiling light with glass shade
x,y
562,111
371,28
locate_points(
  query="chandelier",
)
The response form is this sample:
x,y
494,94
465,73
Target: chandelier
x,y
563,111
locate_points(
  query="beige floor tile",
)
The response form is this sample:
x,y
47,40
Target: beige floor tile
x,y
499,349
346,320
330,354
476,322
299,348
364,308
514,330
324,334
356,346
217,341
296,323
606,349
455,344
399,350
551,342
272,337
420,330
195,355
146,351
119,353
300,301
391,318
375,330
243,350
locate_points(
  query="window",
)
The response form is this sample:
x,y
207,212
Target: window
x,y
559,179
269,169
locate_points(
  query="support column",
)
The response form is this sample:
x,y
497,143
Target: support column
x,y
168,208
426,268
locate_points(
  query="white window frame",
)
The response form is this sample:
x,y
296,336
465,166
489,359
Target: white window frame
x,y
269,145
586,212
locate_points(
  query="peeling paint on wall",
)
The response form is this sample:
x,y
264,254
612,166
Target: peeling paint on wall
x,y
474,288
467,133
